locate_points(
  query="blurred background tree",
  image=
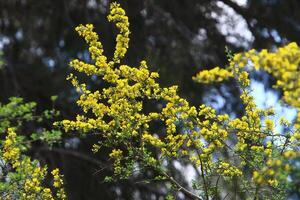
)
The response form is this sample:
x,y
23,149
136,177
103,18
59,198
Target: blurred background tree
x,y
177,38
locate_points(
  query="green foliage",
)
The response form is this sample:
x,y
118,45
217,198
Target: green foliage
x,y
15,113
50,137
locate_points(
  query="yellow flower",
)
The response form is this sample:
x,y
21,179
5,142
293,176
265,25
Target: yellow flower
x,y
269,124
214,75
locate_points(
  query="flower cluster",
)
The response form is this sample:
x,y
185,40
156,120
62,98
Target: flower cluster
x,y
258,144
282,64
227,170
191,134
58,184
269,174
22,177
11,153
118,17
27,175
216,74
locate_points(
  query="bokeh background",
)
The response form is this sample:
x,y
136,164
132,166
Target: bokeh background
x,y
177,38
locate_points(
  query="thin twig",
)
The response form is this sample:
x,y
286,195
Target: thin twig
x,y
202,169
180,187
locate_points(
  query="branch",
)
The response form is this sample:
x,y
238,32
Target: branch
x,y
180,187
72,153
202,168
